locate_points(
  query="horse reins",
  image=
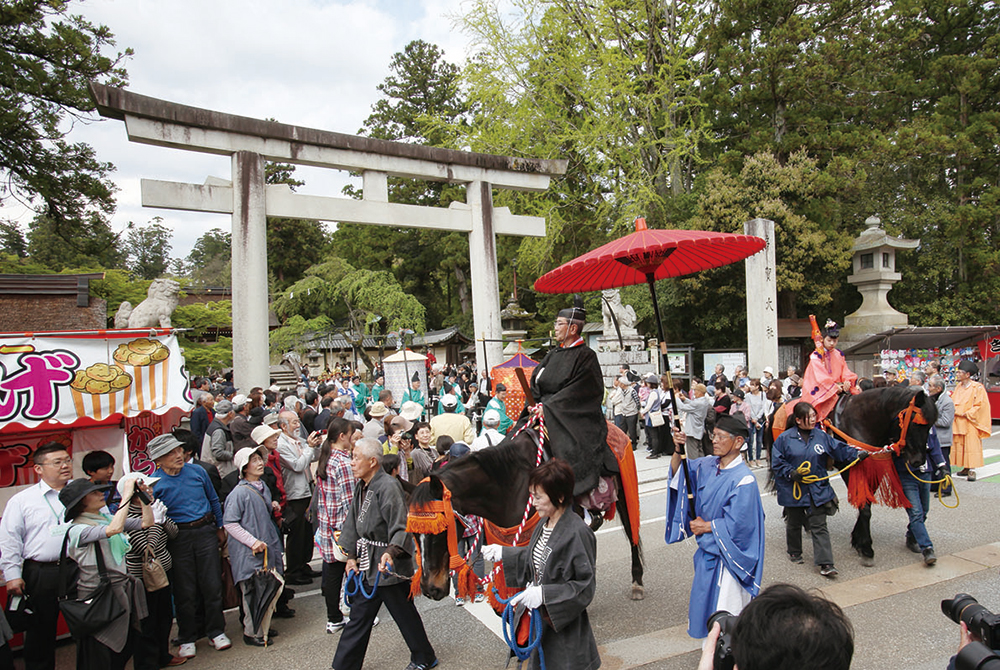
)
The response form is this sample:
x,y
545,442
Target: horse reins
x,y
438,516
911,414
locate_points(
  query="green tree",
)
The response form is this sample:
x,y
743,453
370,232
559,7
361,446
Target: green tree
x,y
210,260
147,249
336,297
86,243
47,58
293,245
421,103
12,240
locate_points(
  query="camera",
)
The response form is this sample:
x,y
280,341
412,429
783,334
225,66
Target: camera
x,y
982,623
723,658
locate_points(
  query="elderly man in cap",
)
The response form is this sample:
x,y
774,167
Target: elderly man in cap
x,y
451,423
240,427
497,404
972,420
217,447
491,435
728,523
196,576
569,387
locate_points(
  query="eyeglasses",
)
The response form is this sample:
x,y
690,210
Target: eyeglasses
x,y
60,462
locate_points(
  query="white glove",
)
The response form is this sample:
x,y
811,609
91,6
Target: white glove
x,y
159,511
493,552
530,597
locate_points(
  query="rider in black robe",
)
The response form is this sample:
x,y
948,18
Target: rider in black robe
x,y
570,387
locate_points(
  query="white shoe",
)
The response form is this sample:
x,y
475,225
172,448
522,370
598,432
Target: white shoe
x,y
187,650
461,601
332,627
221,642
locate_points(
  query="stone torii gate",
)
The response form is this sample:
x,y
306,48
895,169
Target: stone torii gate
x,y
250,201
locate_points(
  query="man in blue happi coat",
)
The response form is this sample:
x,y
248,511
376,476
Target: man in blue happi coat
x,y
728,523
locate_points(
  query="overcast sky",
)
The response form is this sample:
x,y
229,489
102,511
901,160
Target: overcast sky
x,y
311,63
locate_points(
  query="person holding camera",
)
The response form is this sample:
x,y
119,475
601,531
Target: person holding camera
x,y
784,628
728,523
980,635
799,453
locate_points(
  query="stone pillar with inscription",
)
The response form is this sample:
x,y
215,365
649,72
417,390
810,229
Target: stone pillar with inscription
x,y
762,301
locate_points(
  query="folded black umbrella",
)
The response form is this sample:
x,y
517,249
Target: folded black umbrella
x,y
262,593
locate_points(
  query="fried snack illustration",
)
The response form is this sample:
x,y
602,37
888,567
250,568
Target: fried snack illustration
x,y
100,390
146,361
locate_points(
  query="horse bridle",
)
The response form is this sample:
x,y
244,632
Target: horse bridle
x,y
437,516
911,414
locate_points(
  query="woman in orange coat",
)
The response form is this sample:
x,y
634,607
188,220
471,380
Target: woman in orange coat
x,y
972,420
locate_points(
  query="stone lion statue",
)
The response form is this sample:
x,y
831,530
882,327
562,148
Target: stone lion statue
x,y
612,304
161,301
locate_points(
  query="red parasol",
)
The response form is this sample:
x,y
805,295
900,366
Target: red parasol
x,y
645,256
661,253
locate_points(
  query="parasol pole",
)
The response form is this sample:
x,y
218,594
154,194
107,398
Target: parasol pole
x,y
651,280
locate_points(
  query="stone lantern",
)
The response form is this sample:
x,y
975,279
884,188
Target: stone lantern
x,y
874,274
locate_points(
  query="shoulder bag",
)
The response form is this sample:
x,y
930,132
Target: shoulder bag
x,y
656,415
86,617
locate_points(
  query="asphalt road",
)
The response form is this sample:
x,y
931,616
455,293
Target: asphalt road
x,y
894,606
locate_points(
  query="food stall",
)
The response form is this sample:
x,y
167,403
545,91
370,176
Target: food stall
x,y
910,348
108,389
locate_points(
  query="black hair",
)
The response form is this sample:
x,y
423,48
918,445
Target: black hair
x,y
38,458
95,460
187,440
443,445
802,410
389,463
311,397
326,401
786,628
555,477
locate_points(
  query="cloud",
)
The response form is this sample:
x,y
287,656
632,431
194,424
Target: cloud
x,y
313,64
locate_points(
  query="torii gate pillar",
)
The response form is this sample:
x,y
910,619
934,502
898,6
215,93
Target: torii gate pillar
x,y
251,360
485,279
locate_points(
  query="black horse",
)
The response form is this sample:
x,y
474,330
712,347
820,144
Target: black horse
x,y
872,417
493,483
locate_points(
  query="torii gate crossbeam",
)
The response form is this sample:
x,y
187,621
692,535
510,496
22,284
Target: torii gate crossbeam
x,y
250,201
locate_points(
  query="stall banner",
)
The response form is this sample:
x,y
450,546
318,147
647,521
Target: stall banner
x,y
989,348
87,380
16,465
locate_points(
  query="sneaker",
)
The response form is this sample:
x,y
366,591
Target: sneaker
x,y
460,602
929,557
334,626
422,666
912,545
220,642
187,650
480,597
828,571
972,476
795,558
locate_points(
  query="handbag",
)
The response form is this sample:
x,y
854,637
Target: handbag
x,y
655,415
154,577
86,617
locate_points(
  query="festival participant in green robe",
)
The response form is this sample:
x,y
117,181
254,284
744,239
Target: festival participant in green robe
x,y
497,403
362,389
414,394
378,387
